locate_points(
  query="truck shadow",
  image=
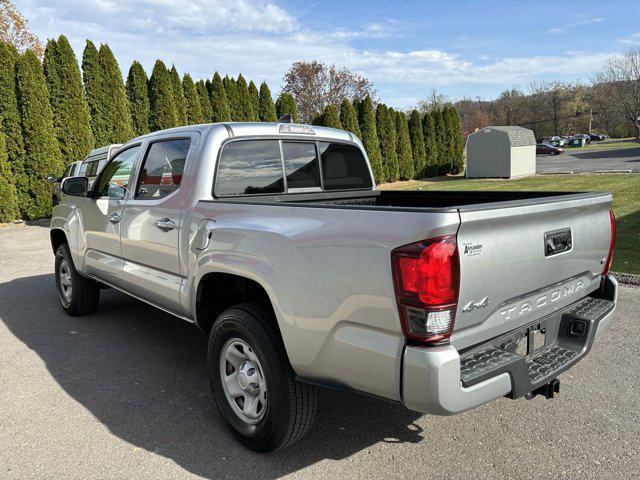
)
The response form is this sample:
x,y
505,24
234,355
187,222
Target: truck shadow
x,y
142,374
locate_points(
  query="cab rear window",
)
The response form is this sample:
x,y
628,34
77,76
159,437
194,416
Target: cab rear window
x,y
259,167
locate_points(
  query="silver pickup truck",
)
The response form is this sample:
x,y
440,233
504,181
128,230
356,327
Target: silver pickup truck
x,y
272,238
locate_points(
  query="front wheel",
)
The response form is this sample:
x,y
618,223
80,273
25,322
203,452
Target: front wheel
x,y
253,383
78,295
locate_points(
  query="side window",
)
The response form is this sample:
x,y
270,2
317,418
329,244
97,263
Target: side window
x,y
301,165
250,167
162,169
115,179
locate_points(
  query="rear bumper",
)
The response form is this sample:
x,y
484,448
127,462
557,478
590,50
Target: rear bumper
x,y
439,381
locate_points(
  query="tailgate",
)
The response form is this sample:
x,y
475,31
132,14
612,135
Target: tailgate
x,y
510,274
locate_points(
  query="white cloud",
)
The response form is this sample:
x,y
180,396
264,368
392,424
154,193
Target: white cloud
x,y
633,39
261,40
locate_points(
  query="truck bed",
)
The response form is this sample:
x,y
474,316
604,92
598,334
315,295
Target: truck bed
x,y
434,200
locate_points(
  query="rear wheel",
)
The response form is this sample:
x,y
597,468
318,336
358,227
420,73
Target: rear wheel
x,y
253,383
78,295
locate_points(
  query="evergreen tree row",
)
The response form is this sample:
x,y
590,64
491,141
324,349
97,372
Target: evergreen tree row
x,y
53,113
401,146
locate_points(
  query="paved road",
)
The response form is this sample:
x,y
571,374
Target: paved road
x,y
124,394
588,160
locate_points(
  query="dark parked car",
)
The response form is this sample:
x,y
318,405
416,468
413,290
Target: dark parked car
x,y
544,149
597,137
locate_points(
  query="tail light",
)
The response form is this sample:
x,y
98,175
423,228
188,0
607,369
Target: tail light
x,y
612,242
427,279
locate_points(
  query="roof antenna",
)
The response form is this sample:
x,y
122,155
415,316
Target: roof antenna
x,y
286,118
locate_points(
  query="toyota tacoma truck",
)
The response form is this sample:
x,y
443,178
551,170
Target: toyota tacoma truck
x,y
273,239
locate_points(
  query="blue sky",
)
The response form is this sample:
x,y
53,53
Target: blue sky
x,y
407,48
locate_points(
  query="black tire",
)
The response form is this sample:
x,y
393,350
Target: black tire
x,y
84,296
290,406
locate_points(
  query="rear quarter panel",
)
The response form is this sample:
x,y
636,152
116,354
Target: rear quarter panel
x,y
328,273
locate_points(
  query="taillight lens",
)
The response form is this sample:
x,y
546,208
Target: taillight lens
x,y
427,278
612,242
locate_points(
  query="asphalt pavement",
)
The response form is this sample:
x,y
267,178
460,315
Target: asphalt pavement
x,y
590,160
124,394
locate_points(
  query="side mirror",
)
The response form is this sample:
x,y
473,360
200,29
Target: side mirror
x,y
51,178
75,186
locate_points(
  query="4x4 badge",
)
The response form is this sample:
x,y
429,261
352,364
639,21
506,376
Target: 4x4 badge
x,y
471,306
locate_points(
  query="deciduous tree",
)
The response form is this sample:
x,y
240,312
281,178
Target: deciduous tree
x,y
14,30
315,84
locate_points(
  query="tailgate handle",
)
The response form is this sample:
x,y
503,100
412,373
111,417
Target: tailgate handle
x,y
557,242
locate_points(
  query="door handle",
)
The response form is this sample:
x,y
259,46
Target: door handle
x,y
114,218
165,224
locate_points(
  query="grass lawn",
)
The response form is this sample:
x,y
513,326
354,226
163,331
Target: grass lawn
x,y
626,202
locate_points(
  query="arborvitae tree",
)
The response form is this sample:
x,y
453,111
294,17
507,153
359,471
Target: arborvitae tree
x,y
450,140
8,198
162,108
330,117
367,121
70,111
458,142
387,137
42,152
244,100
356,107
94,93
118,127
318,119
178,96
254,95
286,104
232,97
205,103
10,117
138,96
430,145
417,144
266,110
349,118
405,155
441,140
194,109
219,103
